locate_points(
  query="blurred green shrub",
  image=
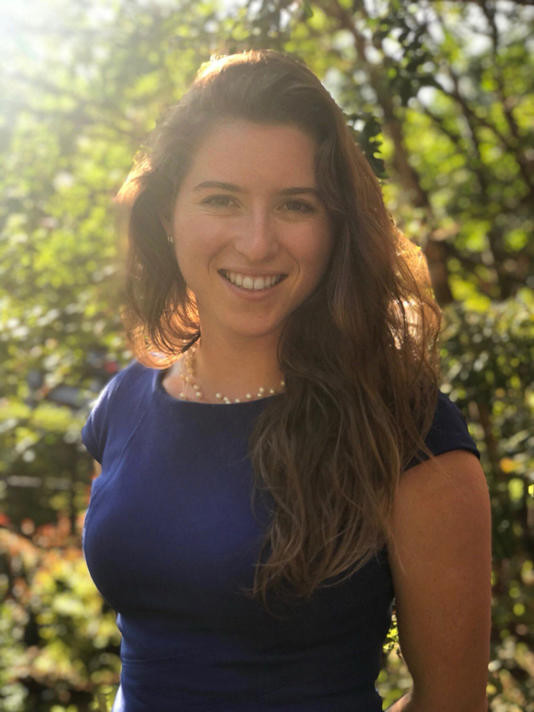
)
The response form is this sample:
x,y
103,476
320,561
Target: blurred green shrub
x,y
488,358
58,640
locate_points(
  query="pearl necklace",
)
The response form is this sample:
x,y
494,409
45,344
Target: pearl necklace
x,y
188,377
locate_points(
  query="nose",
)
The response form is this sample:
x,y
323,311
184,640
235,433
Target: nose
x,y
256,237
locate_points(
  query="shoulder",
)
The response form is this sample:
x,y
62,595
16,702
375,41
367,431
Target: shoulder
x,y
120,398
123,384
132,372
447,432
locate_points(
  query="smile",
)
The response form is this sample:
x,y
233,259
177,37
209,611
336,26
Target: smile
x,y
245,281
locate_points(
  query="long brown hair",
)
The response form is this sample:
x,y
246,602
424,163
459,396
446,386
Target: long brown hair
x,y
359,355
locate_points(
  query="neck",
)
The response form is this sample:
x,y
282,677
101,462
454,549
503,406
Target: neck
x,y
236,370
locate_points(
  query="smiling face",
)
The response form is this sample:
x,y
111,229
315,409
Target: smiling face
x,y
252,236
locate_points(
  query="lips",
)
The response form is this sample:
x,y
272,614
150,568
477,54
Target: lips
x,y
250,282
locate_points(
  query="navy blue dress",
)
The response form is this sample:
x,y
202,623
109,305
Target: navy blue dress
x,y
170,539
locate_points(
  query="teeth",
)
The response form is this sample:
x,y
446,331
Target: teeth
x,y
253,283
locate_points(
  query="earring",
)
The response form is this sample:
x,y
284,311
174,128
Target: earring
x,y
169,238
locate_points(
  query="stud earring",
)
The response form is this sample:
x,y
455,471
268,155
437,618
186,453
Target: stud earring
x,y
169,238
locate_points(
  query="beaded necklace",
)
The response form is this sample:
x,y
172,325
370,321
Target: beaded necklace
x,y
189,380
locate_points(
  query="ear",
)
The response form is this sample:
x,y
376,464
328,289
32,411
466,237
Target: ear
x,y
166,223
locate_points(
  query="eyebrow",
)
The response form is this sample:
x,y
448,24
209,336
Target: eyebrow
x,y
218,184
221,185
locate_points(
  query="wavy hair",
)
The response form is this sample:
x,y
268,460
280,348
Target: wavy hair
x,y
358,356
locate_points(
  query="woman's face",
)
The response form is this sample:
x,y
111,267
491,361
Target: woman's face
x,y
252,236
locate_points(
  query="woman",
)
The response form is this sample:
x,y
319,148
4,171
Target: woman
x,y
277,463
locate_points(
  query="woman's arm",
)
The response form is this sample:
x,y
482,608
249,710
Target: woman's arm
x,y
440,558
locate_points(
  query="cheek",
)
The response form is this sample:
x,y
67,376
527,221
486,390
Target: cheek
x,y
191,237
197,230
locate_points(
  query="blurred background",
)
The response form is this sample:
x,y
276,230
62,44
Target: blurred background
x,y
440,96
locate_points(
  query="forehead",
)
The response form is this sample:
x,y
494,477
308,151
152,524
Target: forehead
x,y
239,150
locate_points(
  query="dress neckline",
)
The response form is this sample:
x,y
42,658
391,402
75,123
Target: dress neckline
x,y
159,375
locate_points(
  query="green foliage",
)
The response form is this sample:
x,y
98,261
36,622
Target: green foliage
x,y
487,364
440,96
56,631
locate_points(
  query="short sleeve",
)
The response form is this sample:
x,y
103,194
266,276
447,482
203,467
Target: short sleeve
x,y
96,428
447,432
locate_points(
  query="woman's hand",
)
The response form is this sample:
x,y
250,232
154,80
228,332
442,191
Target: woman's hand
x,y
440,557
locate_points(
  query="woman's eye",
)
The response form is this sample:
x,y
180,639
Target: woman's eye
x,y
299,206
219,201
